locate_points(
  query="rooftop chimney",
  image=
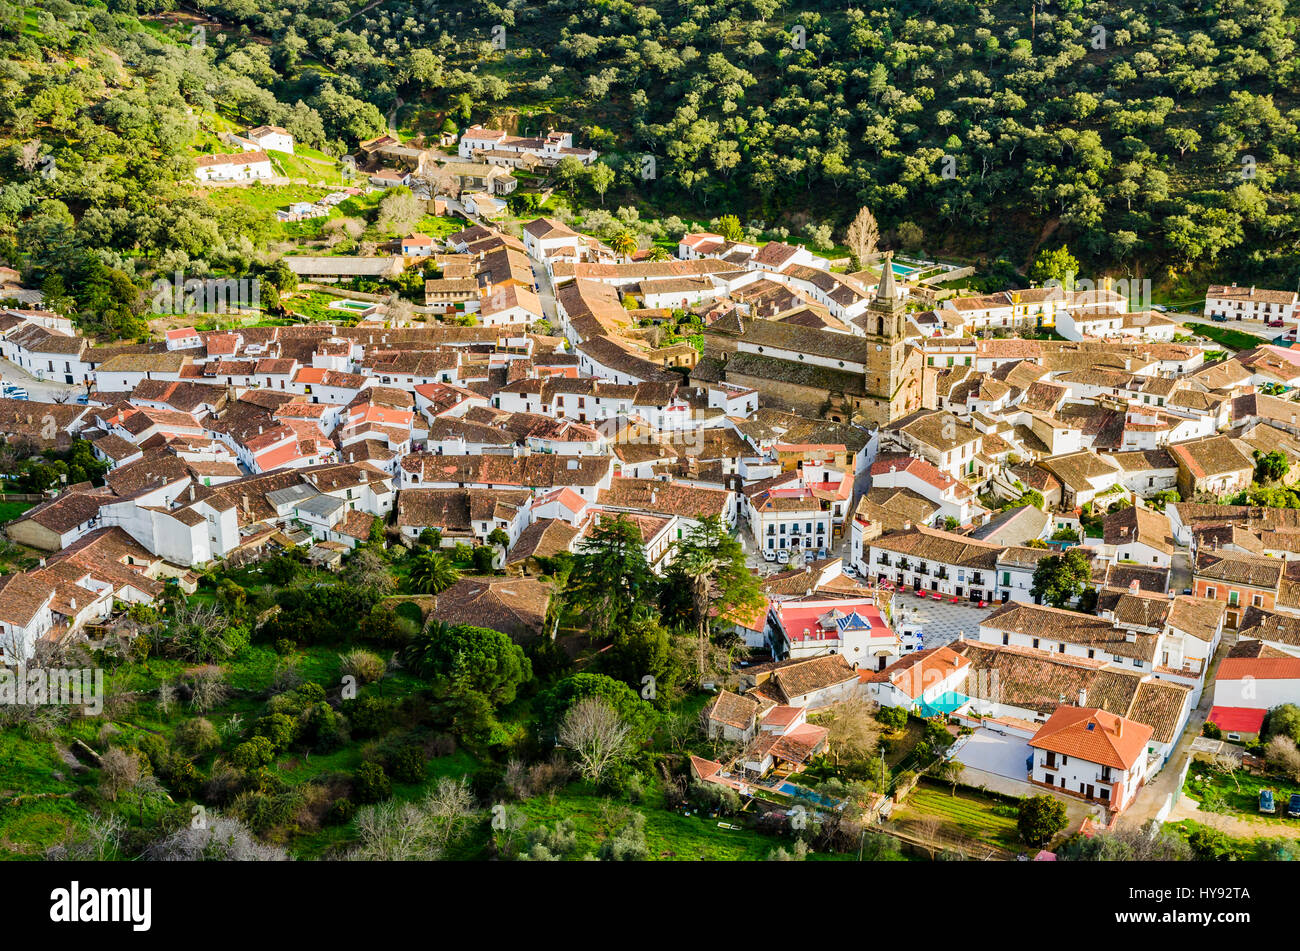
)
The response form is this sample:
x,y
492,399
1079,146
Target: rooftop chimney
x,y
1119,727
1083,697
1134,586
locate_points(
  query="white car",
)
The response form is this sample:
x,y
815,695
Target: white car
x,y
783,557
850,571
769,554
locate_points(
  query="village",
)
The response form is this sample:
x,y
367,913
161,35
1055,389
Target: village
x,y
1036,518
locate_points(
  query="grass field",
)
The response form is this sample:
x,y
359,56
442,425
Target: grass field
x,y
1226,337
1217,791
966,814
11,510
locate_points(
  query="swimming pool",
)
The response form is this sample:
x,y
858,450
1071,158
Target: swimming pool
x,y
798,792
903,270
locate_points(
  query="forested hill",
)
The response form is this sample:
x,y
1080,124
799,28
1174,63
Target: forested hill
x,y
1121,127
102,115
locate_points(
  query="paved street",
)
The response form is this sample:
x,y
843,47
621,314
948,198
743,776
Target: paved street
x,y
1151,798
39,391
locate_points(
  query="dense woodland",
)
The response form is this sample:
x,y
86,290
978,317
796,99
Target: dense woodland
x,y
1157,139
1161,134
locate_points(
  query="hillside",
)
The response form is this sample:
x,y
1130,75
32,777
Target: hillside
x,y
1162,140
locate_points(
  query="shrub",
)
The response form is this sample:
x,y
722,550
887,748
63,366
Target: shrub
x,y
279,728
197,736
341,811
255,752
895,718
371,784
1212,730
1041,817
365,666
370,716
406,765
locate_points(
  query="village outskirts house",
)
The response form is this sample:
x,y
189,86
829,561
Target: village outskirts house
x,y
1092,754
234,167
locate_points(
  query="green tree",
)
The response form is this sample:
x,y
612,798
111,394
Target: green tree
x,y
1059,579
600,177
474,658
1054,265
1040,819
1271,466
432,571
710,564
610,577
624,244
730,228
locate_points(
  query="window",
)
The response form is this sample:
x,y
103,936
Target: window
x,y
1210,592
1233,597
1257,600
1035,643
1006,638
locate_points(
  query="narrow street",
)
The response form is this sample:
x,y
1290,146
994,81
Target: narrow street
x,y
1153,796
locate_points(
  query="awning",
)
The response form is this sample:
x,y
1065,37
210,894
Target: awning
x,y
944,704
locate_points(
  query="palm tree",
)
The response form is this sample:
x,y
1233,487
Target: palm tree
x,y
698,565
658,253
432,572
624,244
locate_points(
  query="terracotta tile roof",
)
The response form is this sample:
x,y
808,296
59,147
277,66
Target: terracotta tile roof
x,y
807,676
1071,627
733,710
516,606
1093,735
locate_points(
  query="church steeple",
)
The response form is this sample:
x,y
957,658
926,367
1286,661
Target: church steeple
x,y
885,312
887,301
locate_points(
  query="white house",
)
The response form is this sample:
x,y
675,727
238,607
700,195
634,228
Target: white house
x,y
919,679
270,138
237,167
1250,303
1092,754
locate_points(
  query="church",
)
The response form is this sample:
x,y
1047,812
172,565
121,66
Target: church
x,y
872,376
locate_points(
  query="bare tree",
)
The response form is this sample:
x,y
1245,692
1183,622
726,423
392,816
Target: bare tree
x,y
928,829
596,734
863,235
1282,755
98,842
119,772
208,690
853,731
398,310
390,832
1227,763
29,154
216,839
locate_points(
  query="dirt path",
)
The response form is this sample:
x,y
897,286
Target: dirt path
x,y
1238,827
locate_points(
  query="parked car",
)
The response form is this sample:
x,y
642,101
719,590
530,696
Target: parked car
x,y
850,571
14,393
1266,801
821,553
1219,318
1160,308
84,399
769,555
783,557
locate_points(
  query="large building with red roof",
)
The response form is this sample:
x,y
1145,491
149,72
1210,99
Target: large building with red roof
x,y
851,627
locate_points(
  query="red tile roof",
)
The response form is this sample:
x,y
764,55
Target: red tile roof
x,y
1093,735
